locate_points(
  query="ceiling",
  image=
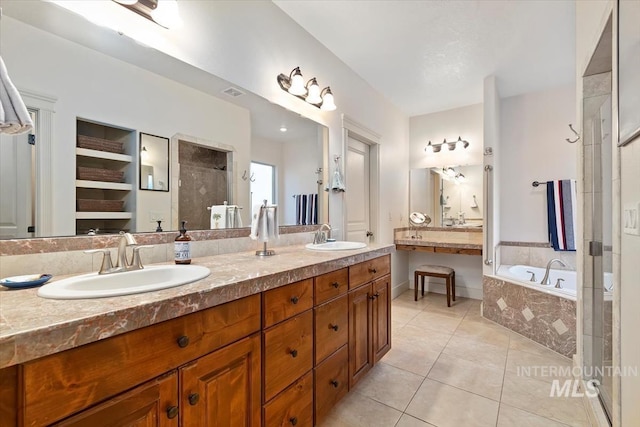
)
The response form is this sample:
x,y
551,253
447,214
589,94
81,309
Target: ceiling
x,y
427,56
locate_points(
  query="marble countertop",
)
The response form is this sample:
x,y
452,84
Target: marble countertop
x,y
441,238
33,327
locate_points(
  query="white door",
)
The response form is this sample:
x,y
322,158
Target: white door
x,y
357,200
15,186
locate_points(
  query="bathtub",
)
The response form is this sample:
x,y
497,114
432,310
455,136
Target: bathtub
x,y
520,274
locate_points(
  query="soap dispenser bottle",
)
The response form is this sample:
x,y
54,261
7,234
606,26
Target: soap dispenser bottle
x,y
182,246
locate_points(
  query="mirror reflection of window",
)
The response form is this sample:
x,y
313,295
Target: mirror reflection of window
x,y
154,162
263,178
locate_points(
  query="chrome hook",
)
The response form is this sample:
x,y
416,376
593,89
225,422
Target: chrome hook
x,y
576,133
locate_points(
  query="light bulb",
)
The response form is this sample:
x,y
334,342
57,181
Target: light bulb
x,y
313,97
429,148
297,83
327,100
167,14
127,2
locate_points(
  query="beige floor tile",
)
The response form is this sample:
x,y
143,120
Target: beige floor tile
x,y
546,368
403,314
436,321
389,385
533,395
412,355
409,421
446,406
356,410
406,300
434,339
458,308
485,354
510,417
520,343
472,377
481,331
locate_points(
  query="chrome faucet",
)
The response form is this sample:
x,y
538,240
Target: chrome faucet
x,y
321,234
545,279
122,263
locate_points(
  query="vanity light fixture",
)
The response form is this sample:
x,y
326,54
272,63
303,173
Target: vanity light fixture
x,y
163,12
310,92
451,145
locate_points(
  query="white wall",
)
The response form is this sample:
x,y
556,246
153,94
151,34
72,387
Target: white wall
x,y
465,122
94,86
533,148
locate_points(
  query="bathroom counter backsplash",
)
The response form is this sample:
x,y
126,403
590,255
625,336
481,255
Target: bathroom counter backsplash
x,y
33,327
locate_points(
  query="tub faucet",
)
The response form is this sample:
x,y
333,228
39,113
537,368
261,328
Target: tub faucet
x,y
321,234
545,279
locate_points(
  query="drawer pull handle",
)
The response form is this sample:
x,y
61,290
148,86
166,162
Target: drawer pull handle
x,y
334,327
294,300
335,285
335,383
172,412
293,421
372,297
373,270
294,353
183,341
193,398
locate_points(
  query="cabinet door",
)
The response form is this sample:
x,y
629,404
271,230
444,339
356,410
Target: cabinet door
x,y
331,327
360,333
292,407
331,382
154,404
381,320
222,389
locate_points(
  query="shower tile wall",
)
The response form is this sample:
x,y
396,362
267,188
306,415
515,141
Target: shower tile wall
x,y
534,254
203,182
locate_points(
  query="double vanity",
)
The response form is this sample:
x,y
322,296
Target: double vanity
x,y
260,341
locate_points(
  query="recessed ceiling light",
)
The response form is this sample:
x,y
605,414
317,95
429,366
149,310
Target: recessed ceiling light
x,y
283,128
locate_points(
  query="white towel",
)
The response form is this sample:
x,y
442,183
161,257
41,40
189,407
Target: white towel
x,y
273,230
14,116
256,221
234,220
264,223
222,211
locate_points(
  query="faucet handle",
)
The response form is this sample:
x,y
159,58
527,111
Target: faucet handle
x,y
136,261
533,276
558,284
106,259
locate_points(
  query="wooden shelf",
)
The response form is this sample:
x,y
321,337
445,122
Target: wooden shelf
x,y
81,183
103,215
103,155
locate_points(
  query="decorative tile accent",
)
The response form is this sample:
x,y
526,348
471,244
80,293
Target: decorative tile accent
x,y
560,327
528,314
548,309
501,304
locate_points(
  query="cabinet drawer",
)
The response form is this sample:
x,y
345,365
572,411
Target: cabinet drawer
x,y
59,385
331,327
292,407
286,301
288,353
367,271
332,382
331,285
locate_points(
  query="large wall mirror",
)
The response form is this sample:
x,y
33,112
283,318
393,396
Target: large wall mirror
x,y
128,93
450,196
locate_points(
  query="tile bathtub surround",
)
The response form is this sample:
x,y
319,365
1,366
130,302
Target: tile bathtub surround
x,y
547,319
462,370
32,327
534,254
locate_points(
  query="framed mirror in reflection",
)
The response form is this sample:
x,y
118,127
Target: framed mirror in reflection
x,y
115,81
452,196
154,162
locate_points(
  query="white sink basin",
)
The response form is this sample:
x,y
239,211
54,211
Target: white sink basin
x,y
336,246
152,278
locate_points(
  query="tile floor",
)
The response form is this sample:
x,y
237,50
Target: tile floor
x,y
450,367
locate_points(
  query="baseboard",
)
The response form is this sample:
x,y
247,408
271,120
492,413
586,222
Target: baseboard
x,y
398,289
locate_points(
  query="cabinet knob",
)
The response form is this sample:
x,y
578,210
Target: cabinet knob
x,y
193,398
294,300
335,383
334,327
294,353
377,294
373,270
293,421
183,341
372,297
172,412
335,285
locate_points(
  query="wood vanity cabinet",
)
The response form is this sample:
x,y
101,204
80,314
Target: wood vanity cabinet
x,y
284,357
369,315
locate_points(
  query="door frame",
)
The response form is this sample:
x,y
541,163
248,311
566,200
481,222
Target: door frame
x,y
355,130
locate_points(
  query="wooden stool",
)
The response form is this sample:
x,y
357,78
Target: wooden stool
x,y
436,271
